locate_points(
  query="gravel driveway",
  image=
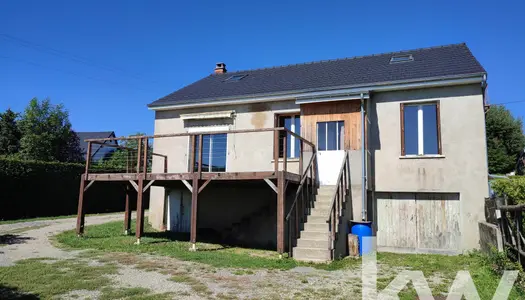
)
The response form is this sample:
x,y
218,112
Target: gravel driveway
x,y
182,279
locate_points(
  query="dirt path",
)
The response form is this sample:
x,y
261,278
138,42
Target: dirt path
x,y
172,278
31,239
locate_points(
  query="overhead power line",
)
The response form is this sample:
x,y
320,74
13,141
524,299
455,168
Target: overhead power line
x,y
503,103
72,73
72,57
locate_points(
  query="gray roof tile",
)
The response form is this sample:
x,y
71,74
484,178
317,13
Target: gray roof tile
x,y
442,61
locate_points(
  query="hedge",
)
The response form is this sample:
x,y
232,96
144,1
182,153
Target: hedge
x,y
513,188
41,189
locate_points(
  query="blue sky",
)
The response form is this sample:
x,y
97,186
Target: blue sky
x,y
115,57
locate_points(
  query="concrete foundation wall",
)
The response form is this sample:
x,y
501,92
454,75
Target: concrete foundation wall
x,y
461,169
490,237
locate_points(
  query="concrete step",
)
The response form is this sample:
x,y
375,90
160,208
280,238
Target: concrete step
x,y
316,226
324,197
315,235
327,192
306,243
317,219
311,254
324,212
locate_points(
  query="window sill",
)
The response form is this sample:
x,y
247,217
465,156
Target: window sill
x,y
422,156
295,159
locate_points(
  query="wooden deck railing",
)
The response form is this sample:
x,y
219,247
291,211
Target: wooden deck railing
x,y
138,159
511,226
338,201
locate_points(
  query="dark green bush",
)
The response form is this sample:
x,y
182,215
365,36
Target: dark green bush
x,y
41,189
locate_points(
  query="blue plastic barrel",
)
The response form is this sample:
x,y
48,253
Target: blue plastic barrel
x,y
362,229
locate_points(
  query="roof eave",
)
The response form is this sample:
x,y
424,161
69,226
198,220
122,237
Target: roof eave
x,y
332,91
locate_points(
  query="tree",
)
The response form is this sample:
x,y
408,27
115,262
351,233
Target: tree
x,y
9,133
505,139
47,134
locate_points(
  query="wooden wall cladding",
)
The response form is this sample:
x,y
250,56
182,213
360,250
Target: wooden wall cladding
x,y
347,111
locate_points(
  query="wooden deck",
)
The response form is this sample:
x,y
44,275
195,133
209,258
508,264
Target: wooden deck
x,y
139,178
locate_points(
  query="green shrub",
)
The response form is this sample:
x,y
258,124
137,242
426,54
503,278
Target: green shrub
x,y
42,189
513,188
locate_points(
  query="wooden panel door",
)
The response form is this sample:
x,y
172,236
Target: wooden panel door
x,y
396,220
438,222
179,210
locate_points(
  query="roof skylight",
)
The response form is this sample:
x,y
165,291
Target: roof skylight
x,y
401,58
235,78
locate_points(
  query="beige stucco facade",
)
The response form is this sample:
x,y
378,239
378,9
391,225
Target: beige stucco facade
x,y
462,167
246,152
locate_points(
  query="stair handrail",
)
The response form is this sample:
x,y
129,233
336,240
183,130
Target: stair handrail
x,y
336,205
301,184
299,194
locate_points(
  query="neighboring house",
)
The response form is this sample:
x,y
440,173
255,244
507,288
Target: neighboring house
x,y
98,152
417,168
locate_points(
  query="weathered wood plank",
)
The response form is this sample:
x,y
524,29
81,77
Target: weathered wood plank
x,y
148,185
280,211
134,184
396,215
271,184
80,213
89,185
187,184
194,199
127,211
438,221
140,210
205,184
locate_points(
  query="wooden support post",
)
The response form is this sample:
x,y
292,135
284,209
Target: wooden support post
x,y
276,151
200,156
139,151
301,146
88,159
80,215
285,150
127,212
192,154
280,212
194,199
140,210
517,217
145,166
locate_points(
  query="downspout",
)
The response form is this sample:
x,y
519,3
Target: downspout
x,y
363,160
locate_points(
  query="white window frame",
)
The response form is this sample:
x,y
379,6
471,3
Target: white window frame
x,y
338,143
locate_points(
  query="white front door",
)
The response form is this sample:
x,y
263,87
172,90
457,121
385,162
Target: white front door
x,y
330,150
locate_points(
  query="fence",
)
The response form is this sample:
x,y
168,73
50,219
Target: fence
x,y
510,219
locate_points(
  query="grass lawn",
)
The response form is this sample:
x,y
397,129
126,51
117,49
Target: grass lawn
x,y
439,270
48,279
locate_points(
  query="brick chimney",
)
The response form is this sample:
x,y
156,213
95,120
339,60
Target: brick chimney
x,y
220,68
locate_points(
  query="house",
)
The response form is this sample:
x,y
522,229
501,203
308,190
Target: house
x,y
284,157
98,152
